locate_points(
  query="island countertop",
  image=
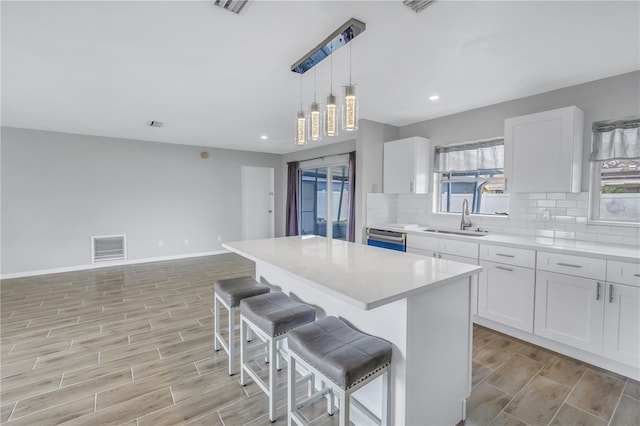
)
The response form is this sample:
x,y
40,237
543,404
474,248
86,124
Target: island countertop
x,y
363,276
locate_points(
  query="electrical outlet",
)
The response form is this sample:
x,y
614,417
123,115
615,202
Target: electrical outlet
x,y
546,215
160,243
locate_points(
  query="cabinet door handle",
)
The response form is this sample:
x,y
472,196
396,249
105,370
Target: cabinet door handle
x,y
410,186
636,275
439,255
598,292
504,268
569,265
505,255
610,293
434,254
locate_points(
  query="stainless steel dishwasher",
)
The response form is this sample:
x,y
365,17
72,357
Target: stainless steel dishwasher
x,y
392,240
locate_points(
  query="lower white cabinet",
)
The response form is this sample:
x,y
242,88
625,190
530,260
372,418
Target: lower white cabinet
x,y
569,310
622,323
506,294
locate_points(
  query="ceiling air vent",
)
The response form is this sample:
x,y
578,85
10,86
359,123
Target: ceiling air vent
x,y
234,6
108,248
154,123
418,5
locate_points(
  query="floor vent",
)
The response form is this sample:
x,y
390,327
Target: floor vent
x,y
108,248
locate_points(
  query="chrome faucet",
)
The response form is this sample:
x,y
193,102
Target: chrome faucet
x,y
465,222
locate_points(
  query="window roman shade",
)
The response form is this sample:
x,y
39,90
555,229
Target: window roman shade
x,y
482,155
616,140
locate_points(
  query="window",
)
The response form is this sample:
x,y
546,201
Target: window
x,y
615,189
473,171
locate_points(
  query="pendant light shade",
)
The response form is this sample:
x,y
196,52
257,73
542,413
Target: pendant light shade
x,y
315,116
350,109
331,117
301,128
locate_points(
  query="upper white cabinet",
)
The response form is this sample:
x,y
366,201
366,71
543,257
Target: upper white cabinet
x,y
543,151
407,166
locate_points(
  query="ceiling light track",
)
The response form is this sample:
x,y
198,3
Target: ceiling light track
x,y
340,37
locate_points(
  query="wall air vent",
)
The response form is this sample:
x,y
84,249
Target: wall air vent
x,y
418,5
108,248
234,6
154,123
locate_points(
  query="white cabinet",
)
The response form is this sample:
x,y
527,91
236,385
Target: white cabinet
x,y
407,166
622,313
569,310
506,286
543,151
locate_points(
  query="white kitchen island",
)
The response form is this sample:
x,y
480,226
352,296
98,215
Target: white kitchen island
x,y
419,304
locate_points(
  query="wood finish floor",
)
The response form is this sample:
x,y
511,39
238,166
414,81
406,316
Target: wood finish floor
x,y
132,345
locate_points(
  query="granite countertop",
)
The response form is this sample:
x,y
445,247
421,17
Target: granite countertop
x,y
364,276
620,252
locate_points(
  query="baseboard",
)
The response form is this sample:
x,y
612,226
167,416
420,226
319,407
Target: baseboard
x,y
107,264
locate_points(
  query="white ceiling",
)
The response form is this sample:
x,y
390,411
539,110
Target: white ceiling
x,y
222,80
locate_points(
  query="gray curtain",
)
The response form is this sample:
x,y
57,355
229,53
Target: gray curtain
x,y
616,140
293,184
351,227
484,155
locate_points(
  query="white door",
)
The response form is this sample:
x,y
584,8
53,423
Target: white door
x,y
257,188
622,323
506,295
569,310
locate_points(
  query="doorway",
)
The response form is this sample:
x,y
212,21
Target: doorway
x,y
324,201
257,203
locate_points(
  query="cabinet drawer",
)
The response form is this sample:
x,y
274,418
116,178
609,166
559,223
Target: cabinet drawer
x,y
458,248
587,267
508,255
423,243
623,272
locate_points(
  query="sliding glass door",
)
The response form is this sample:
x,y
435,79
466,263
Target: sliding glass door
x,y
324,201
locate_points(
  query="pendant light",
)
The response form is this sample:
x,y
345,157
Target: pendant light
x,y
350,106
301,122
315,118
331,110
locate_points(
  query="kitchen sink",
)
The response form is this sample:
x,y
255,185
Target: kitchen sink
x,y
464,233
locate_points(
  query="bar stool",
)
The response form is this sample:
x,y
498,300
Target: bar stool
x,y
228,293
344,360
270,317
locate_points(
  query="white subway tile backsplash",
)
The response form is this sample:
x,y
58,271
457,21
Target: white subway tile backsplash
x,y
577,212
565,219
583,236
581,220
609,239
567,203
544,233
546,203
578,196
538,195
598,229
565,235
556,196
631,241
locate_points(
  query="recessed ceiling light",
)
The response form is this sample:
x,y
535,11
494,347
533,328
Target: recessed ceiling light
x,y
434,97
264,137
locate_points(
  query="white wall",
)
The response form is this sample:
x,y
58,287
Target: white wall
x,y
60,189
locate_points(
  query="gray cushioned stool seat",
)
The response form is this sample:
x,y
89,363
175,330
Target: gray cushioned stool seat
x,y
275,313
334,348
233,290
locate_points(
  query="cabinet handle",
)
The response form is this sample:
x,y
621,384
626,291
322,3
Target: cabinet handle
x,y
636,275
504,268
439,255
410,186
610,293
569,265
505,255
434,254
598,291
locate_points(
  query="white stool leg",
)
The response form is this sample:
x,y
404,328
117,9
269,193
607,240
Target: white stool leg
x,y
278,355
216,322
272,378
243,349
331,403
385,416
232,342
344,408
291,389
